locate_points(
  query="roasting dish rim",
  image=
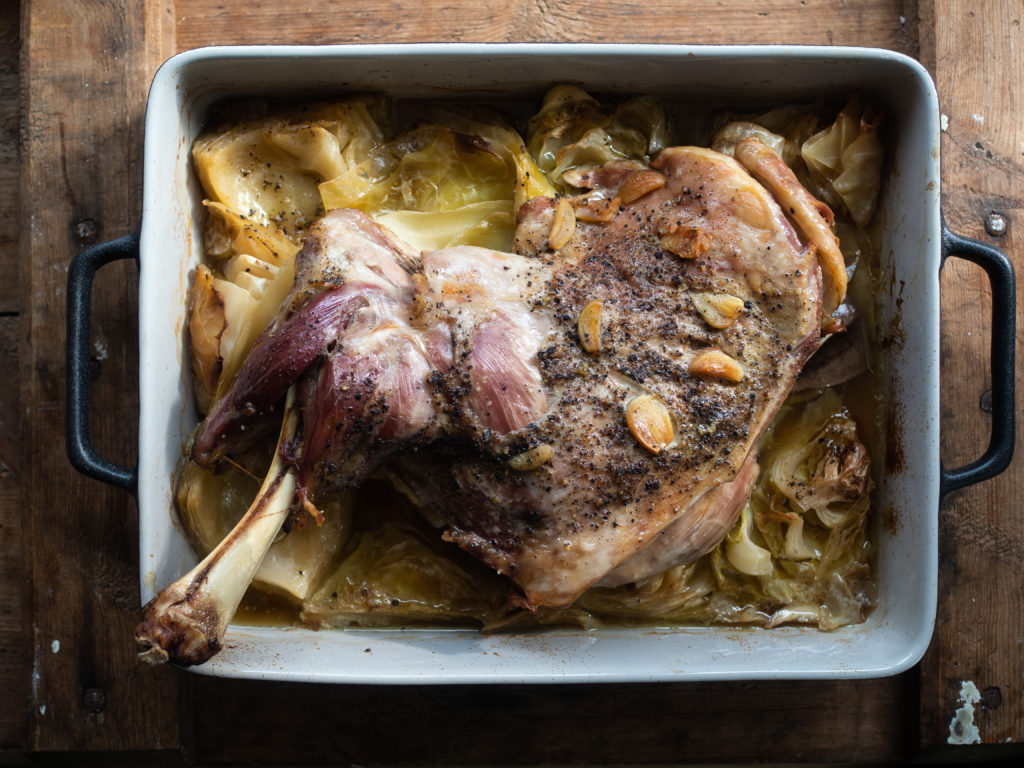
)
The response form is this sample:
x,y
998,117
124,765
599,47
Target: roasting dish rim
x,y
182,89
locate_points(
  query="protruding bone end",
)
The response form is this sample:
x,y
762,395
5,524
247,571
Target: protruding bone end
x,y
173,633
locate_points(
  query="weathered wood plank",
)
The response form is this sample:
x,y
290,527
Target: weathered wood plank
x,y
979,637
85,72
881,23
10,296
560,724
14,657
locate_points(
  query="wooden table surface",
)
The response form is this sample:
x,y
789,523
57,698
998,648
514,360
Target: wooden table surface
x,y
73,81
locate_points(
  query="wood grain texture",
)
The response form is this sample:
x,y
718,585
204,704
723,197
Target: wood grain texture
x,y
980,627
10,297
14,656
85,72
84,75
554,725
881,23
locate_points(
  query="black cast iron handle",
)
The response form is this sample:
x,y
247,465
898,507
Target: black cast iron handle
x,y
1004,307
79,437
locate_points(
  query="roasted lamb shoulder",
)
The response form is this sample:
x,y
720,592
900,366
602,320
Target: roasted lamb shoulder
x,y
560,411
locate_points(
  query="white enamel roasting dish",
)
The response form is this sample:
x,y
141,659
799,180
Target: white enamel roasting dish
x,y
914,245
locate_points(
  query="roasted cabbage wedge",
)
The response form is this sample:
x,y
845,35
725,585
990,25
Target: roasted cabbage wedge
x,y
573,130
298,561
809,510
399,572
845,161
229,308
270,169
454,181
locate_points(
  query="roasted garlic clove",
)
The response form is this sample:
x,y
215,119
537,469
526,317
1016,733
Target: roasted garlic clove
x,y
716,364
589,327
563,225
640,183
719,310
533,458
650,422
597,211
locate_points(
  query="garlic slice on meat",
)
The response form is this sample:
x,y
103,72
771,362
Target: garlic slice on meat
x,y
719,310
650,422
718,365
563,226
686,242
595,211
588,327
533,458
640,183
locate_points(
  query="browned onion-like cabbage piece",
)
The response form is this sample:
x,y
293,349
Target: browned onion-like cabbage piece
x,y
206,324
